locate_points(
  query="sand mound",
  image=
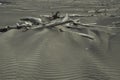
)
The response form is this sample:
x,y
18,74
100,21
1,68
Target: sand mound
x,y
52,55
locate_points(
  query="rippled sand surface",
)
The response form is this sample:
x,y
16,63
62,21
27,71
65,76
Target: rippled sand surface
x,y
52,55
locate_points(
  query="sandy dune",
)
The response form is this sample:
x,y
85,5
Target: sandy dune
x,y
52,55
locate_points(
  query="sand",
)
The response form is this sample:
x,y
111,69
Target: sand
x,y
51,55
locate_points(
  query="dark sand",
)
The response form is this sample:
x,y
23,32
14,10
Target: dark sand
x,y
52,55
